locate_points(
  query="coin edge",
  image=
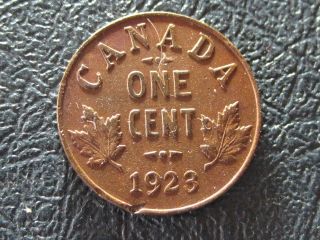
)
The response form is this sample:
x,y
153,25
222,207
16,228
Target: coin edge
x,y
138,209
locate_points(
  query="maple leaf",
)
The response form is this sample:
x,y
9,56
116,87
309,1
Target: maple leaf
x,y
224,138
100,142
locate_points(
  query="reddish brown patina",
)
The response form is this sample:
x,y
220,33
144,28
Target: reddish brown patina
x,y
158,113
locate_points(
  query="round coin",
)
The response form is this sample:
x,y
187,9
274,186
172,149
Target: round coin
x,y
158,113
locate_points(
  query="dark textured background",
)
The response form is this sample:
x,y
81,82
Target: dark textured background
x,y
41,197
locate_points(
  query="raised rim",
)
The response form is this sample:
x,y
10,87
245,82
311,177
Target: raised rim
x,y
105,195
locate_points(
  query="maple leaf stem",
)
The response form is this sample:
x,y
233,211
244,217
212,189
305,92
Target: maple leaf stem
x,y
116,165
210,164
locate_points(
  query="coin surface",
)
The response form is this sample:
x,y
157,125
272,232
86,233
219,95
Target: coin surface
x,y
158,113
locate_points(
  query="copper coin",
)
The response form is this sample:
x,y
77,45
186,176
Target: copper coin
x,y
158,113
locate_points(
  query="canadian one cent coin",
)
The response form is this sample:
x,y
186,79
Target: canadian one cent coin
x,y
158,113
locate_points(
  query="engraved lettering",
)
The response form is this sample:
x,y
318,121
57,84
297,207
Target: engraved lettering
x,y
169,122
198,52
132,117
152,180
188,114
191,180
150,123
161,82
137,36
86,84
173,185
226,72
109,54
180,82
169,38
135,183
131,77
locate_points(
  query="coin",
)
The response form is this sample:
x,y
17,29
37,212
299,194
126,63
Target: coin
x,y
158,113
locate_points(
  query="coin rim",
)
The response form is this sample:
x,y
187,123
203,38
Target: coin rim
x,y
110,198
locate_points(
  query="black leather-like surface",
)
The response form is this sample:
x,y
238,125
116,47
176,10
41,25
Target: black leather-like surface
x,y
41,197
